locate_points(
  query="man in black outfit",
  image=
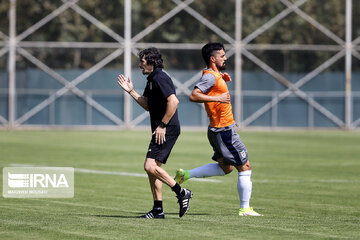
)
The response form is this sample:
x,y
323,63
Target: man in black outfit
x,y
159,98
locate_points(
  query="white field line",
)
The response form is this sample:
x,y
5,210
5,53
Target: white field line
x,y
92,171
101,172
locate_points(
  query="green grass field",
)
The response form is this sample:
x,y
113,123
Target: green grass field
x,y
307,185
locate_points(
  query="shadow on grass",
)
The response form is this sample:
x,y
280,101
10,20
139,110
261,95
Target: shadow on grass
x,y
140,213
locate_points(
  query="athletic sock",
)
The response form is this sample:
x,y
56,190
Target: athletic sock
x,y
244,187
208,170
158,207
177,189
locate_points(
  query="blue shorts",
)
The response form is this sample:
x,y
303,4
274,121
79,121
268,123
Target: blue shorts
x,y
227,144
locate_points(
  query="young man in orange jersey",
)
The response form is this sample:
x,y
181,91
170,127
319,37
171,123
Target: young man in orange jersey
x,y
229,151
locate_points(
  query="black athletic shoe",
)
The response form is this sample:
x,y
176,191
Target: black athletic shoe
x,y
184,201
153,214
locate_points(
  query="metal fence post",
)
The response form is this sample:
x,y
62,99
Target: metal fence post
x,y
238,65
127,61
12,63
348,56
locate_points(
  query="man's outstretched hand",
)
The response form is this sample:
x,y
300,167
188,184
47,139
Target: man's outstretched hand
x,y
126,84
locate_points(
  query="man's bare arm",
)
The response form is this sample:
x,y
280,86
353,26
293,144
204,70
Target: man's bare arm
x,y
127,85
198,96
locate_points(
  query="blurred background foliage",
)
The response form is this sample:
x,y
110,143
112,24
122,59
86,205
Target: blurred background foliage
x,y
182,28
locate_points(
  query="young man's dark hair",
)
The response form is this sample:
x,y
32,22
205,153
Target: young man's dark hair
x,y
152,56
208,49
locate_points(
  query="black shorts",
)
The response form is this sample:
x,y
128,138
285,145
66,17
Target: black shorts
x,y
161,152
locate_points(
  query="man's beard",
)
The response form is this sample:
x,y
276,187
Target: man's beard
x,y
222,67
144,72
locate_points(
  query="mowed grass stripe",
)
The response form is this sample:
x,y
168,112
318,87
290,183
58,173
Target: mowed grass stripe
x,y
52,229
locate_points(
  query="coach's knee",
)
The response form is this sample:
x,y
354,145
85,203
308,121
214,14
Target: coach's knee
x,y
150,167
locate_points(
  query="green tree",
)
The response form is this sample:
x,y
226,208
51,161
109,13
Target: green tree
x,y
182,28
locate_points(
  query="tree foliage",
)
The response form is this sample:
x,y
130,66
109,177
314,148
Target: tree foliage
x,y
183,28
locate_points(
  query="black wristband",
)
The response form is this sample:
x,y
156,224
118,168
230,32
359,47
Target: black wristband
x,y
162,125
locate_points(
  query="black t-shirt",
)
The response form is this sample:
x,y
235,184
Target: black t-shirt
x,y
158,88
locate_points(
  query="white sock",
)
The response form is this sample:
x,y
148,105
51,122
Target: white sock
x,y
244,186
208,170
